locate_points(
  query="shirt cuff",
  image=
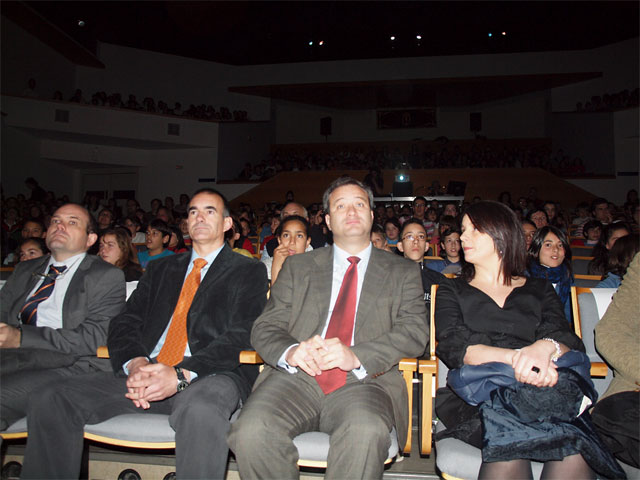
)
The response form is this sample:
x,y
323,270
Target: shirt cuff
x,y
360,372
282,363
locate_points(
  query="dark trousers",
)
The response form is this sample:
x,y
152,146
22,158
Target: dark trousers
x,y
57,416
359,417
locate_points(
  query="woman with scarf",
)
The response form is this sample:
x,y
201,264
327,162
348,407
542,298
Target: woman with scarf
x,y
493,317
549,257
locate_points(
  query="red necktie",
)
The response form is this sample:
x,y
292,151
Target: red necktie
x,y
175,344
341,325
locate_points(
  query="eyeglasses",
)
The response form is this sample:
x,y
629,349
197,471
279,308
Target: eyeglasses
x,y
421,237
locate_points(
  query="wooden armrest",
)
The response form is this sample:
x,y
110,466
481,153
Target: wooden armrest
x,y
408,366
428,370
103,352
599,369
250,357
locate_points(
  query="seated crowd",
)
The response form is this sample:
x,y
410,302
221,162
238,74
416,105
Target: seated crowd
x,y
174,345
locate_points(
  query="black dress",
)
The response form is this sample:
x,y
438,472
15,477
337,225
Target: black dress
x,y
467,316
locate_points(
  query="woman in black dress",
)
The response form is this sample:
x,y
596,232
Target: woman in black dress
x,y
493,313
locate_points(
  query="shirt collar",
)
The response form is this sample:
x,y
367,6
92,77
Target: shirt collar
x,y
341,255
209,258
69,262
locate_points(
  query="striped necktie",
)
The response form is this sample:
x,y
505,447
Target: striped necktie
x,y
29,313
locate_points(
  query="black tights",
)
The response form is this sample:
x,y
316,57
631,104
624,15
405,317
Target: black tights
x,y
572,467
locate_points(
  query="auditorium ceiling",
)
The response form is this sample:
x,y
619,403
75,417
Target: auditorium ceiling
x,y
267,32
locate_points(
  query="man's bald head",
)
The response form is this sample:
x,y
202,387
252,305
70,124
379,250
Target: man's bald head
x,y
293,208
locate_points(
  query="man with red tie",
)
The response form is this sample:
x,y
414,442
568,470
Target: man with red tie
x,y
175,350
338,322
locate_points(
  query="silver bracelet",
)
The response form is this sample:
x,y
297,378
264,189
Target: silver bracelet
x,y
558,353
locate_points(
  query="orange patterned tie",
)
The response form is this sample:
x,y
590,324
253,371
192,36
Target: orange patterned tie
x,y
175,344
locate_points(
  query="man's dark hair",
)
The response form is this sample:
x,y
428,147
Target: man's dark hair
x,y
598,201
502,225
591,224
225,211
420,198
411,221
133,219
162,227
341,182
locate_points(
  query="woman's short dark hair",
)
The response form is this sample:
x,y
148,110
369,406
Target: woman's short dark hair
x,y
292,218
502,225
621,254
533,254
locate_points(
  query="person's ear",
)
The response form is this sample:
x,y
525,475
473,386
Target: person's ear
x,y
400,246
308,242
327,220
426,247
91,239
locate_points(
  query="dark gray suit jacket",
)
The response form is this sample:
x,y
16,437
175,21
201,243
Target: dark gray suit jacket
x,y
96,293
391,322
228,300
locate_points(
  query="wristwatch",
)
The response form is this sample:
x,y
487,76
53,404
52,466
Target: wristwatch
x,y
182,381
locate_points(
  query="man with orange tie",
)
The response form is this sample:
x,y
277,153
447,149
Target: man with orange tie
x,y
338,322
174,350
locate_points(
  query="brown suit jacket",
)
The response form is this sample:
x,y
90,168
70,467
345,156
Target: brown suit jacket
x,y
391,322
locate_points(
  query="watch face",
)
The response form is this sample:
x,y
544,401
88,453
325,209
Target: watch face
x,y
182,385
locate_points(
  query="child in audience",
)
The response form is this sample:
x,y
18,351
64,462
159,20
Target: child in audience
x,y
293,239
549,257
378,238
618,261
232,236
158,237
529,228
176,242
132,223
31,248
611,234
431,222
392,230
414,245
591,231
450,251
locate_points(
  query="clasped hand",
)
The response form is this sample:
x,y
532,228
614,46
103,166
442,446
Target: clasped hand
x,y
149,382
317,354
9,336
538,356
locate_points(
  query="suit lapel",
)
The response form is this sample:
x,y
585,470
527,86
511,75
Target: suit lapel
x,y
320,283
372,288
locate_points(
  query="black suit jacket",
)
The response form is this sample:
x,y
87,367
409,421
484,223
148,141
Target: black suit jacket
x,y
230,297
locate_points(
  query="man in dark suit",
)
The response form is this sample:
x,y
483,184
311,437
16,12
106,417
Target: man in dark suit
x,y
55,311
321,376
171,357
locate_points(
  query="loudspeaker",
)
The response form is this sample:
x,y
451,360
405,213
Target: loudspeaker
x,y
475,121
325,126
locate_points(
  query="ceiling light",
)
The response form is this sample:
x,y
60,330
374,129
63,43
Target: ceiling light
x,y
392,38
419,37
490,34
311,43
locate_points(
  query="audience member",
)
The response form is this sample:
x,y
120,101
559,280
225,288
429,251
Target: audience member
x,y
105,220
325,377
617,338
176,242
54,313
450,251
392,231
494,319
539,217
116,249
132,223
529,229
611,234
31,248
619,258
378,238
549,257
158,237
592,230
293,239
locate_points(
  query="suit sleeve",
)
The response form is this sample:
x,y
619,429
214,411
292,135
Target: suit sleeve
x,y
409,333
10,293
270,334
105,297
248,292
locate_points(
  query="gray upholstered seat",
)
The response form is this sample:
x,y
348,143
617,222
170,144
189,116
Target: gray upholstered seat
x,y
17,427
581,265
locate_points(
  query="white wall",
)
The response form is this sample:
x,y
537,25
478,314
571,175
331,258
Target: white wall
x,y
25,57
